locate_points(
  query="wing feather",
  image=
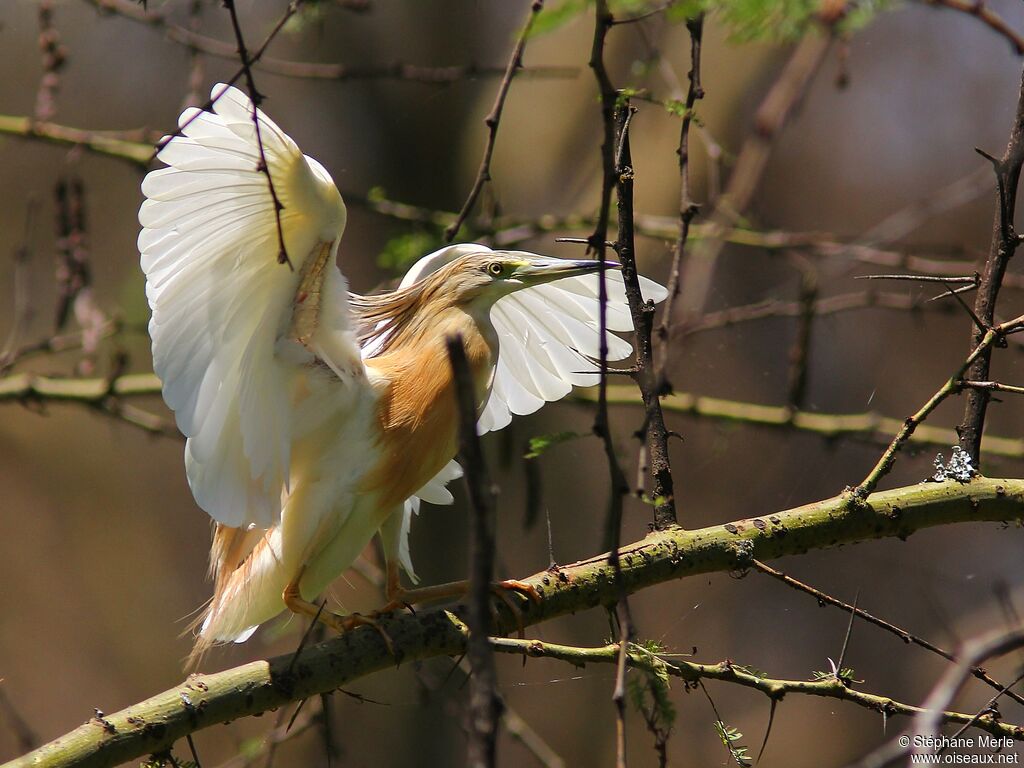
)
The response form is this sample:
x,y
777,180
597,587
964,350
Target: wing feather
x,y
220,300
548,336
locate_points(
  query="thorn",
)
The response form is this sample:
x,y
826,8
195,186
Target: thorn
x,y
995,163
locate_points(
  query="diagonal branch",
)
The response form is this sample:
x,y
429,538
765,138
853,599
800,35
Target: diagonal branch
x,y
483,175
778,104
728,671
205,700
1003,245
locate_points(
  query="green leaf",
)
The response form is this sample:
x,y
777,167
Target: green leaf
x,y
557,15
730,738
540,443
400,252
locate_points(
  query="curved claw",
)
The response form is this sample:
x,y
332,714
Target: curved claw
x,y
347,623
524,588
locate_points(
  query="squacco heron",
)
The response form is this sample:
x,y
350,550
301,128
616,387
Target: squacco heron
x,y
315,417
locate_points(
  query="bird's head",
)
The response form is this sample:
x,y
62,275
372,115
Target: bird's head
x,y
484,277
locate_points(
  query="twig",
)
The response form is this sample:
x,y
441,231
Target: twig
x,y
906,636
772,114
257,98
653,434
1003,245
728,671
484,702
931,712
22,304
951,386
657,558
54,59
800,352
971,279
871,427
992,386
417,73
483,175
106,143
980,10
613,526
688,208
105,395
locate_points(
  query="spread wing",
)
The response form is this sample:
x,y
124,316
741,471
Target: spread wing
x,y
221,303
547,336
548,341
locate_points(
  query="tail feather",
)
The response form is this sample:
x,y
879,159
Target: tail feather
x,y
248,583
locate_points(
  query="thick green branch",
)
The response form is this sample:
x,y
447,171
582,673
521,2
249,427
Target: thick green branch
x,y
205,700
726,671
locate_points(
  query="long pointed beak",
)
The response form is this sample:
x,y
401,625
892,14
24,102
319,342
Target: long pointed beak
x,y
540,269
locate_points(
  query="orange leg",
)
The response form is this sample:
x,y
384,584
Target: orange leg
x,y
398,596
296,604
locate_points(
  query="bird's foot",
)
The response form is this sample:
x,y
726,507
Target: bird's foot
x,y
339,623
348,622
502,590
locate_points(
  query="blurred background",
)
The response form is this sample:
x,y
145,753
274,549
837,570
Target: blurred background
x,y
103,551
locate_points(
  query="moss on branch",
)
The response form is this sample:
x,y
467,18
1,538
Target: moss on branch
x,y
210,699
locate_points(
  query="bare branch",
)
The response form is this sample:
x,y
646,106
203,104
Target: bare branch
x,y
484,702
980,10
257,98
731,672
483,175
778,104
107,143
418,73
1003,245
824,598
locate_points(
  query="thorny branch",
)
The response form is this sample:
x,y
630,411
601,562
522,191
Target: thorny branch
x,y
430,75
257,98
953,385
483,175
1003,245
772,114
729,671
929,716
980,10
688,208
484,702
653,434
906,636
597,244
211,699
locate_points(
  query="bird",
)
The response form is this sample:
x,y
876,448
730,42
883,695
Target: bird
x,y
316,417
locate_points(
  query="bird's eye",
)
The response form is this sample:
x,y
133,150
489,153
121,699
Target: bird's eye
x,y
495,268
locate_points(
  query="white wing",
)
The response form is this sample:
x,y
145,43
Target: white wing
x,y
547,336
395,532
221,301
